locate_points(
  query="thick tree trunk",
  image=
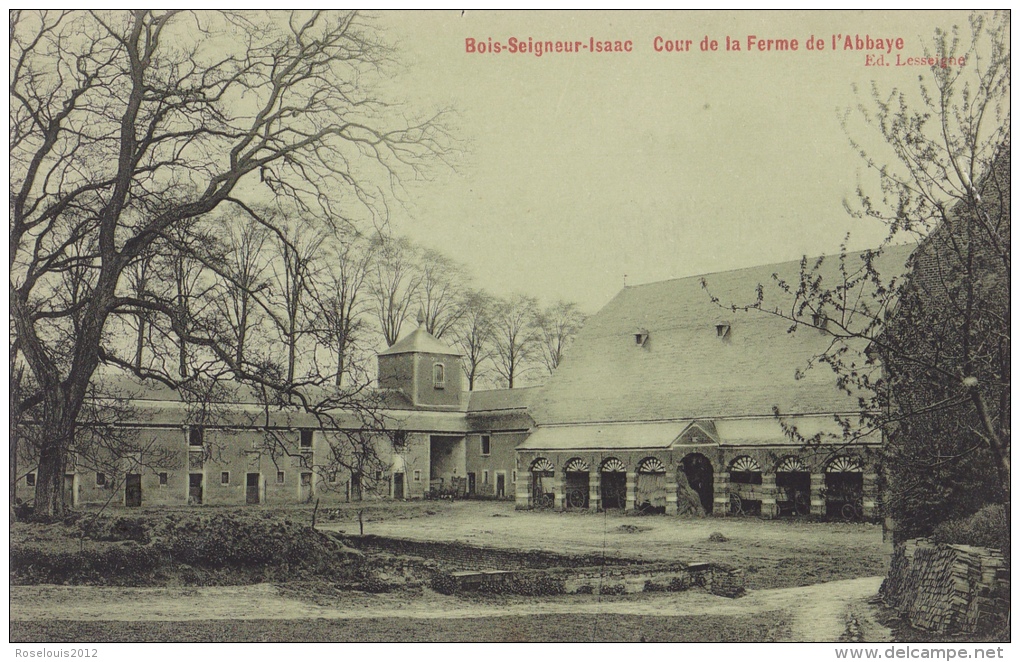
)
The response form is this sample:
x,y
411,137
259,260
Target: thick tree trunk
x,y
49,482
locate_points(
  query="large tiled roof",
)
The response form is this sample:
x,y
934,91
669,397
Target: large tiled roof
x,y
684,369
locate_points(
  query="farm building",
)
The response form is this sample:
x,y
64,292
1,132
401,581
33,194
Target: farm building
x,y
668,401
675,389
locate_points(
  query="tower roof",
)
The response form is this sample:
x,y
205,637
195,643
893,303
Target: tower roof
x,y
422,342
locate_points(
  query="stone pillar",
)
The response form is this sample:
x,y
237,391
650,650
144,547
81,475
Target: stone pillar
x,y
523,489
818,494
671,504
631,490
594,491
870,496
559,498
769,509
721,496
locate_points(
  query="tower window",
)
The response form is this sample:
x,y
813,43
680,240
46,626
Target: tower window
x,y
438,375
306,437
196,436
486,444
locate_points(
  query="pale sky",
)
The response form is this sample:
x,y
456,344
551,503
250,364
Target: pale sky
x,y
586,166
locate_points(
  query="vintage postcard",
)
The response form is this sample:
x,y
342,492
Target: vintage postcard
x,y
505,326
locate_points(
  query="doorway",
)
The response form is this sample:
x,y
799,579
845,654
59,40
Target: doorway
x,y
698,470
195,489
133,490
500,485
614,489
398,485
251,491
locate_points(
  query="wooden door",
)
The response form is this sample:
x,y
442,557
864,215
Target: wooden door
x,y
251,493
133,491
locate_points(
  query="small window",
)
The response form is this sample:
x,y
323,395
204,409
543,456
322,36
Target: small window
x,y
514,474
30,480
486,444
378,475
485,477
306,479
331,477
417,475
225,478
723,330
306,437
100,480
163,478
280,478
196,436
439,375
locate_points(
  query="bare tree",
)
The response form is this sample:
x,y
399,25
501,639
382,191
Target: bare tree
x,y
341,302
474,334
127,125
246,261
558,323
396,279
294,271
515,337
440,295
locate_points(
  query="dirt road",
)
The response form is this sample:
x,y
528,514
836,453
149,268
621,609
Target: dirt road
x,y
817,613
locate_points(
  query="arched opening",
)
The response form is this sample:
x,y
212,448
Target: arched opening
x,y
576,472
652,487
793,488
697,471
745,486
542,491
613,476
844,489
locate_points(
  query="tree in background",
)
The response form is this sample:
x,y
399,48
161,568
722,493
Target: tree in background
x,y
515,337
558,324
395,283
475,335
444,282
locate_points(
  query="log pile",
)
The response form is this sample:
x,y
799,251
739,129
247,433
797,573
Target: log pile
x,y
947,588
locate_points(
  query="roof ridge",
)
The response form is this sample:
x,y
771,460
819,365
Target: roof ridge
x,y
767,264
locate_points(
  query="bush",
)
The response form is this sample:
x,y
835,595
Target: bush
x,y
988,527
717,537
613,589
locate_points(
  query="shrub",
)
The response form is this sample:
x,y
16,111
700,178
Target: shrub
x,y
717,537
988,527
613,589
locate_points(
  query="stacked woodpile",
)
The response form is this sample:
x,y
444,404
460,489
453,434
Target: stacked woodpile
x,y
947,588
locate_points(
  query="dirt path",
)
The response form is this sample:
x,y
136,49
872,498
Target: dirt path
x,y
817,612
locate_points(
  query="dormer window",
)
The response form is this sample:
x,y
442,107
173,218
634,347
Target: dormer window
x,y
722,330
640,337
819,321
438,375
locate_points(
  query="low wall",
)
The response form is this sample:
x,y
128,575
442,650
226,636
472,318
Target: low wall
x,y
490,570
471,557
947,588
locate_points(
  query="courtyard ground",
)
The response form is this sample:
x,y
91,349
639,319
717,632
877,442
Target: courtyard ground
x,y
772,553
806,581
